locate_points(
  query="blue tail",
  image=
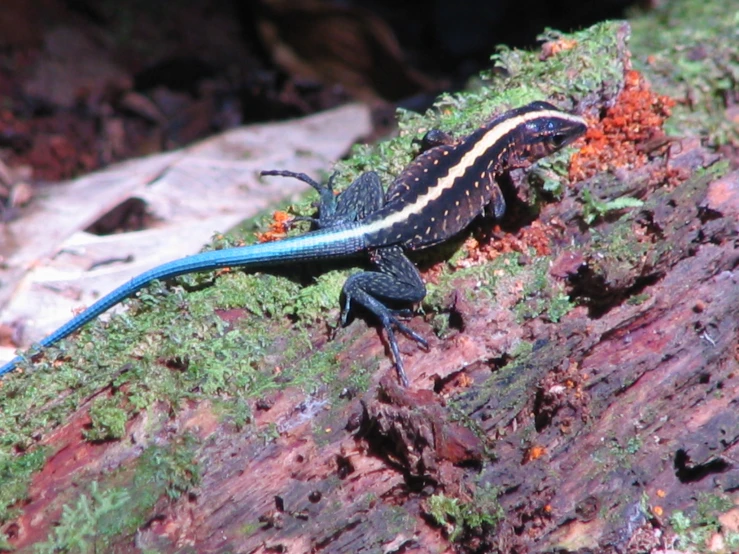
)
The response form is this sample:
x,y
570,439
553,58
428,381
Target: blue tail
x,y
334,242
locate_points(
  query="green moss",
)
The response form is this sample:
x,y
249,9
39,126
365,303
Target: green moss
x,y
687,49
249,529
316,302
235,410
625,452
594,209
15,476
460,519
108,420
618,247
113,510
172,469
731,539
616,454
357,380
507,390
269,434
693,529
638,299
487,278
559,306
398,520
541,294
521,352
714,171
86,525
547,176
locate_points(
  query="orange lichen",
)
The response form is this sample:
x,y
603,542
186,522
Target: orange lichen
x,y
554,47
536,236
277,229
534,453
619,139
464,381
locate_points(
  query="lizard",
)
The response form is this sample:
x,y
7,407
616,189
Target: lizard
x,y
434,198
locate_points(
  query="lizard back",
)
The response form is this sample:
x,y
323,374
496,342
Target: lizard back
x,y
446,187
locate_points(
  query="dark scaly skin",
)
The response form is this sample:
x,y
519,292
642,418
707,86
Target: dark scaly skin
x,y
433,199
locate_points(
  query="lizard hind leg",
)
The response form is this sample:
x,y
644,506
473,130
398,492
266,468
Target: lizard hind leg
x,y
364,196
396,280
327,199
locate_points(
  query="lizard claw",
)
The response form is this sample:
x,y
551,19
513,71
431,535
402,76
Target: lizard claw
x,y
408,332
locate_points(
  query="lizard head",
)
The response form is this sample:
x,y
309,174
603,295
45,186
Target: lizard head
x,y
548,129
